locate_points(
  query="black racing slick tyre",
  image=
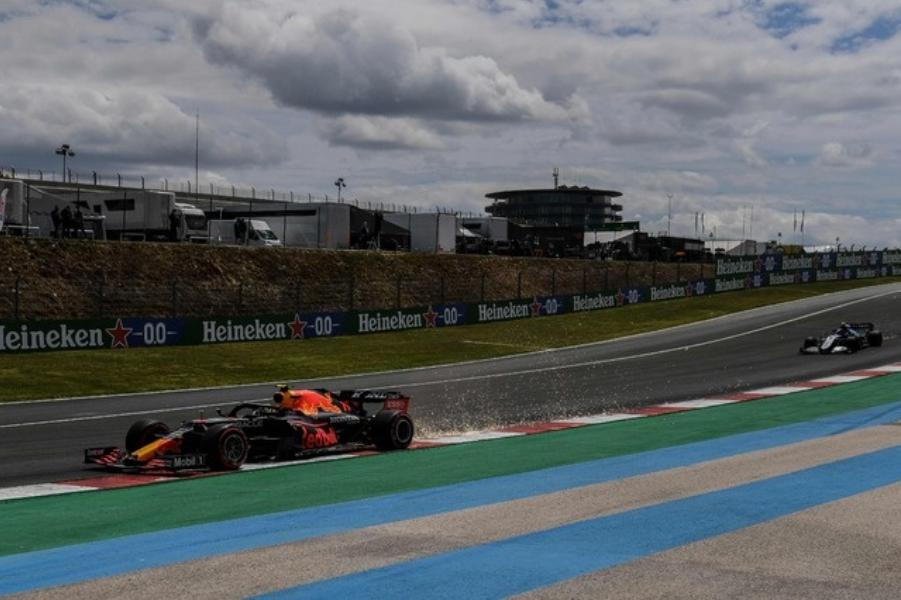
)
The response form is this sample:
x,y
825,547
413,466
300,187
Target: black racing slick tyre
x,y
809,342
392,430
874,338
143,432
227,447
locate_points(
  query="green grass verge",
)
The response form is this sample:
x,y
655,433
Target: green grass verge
x,y
51,521
81,373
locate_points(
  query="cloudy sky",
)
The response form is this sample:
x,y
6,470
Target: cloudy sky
x,y
710,106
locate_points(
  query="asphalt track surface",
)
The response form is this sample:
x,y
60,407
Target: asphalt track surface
x,y
42,441
787,497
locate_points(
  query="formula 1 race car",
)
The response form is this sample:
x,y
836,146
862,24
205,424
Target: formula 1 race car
x,y
845,339
299,424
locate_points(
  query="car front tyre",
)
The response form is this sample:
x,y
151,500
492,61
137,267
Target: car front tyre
x,y
143,432
227,447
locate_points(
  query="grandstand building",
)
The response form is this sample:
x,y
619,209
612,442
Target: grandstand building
x,y
555,220
573,207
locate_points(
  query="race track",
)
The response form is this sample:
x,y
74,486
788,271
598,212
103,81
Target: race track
x,y
786,497
41,442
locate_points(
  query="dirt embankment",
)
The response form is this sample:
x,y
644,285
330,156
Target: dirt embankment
x,y
47,279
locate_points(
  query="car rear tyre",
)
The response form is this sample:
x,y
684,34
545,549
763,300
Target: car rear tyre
x,y
227,447
392,430
143,432
809,342
874,338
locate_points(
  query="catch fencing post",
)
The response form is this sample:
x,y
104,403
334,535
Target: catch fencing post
x,y
27,211
553,282
174,298
606,276
350,292
297,307
16,290
584,280
240,295
101,284
519,285
442,289
482,293
397,299
654,273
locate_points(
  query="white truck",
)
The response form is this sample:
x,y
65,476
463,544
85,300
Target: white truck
x,y
429,232
127,214
12,206
253,232
139,214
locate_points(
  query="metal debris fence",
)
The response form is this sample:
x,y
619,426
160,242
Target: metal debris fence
x,y
101,296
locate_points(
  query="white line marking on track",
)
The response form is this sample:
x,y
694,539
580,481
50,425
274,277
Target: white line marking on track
x,y
134,413
598,419
704,403
840,379
287,463
476,436
778,390
40,489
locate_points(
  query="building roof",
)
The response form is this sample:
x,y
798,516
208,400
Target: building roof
x,y
573,190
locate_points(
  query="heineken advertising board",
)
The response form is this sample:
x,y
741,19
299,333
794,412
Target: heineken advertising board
x,y
124,333
769,263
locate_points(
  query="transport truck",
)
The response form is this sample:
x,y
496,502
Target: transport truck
x,y
140,214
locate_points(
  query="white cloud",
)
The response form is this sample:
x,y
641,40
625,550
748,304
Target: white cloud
x,y
344,61
836,154
120,126
380,133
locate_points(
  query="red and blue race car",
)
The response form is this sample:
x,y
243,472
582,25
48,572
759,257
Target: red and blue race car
x,y
298,424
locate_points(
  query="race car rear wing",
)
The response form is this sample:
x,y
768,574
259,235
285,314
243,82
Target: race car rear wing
x,y
389,400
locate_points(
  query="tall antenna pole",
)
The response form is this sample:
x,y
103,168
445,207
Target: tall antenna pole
x,y
669,213
196,151
556,177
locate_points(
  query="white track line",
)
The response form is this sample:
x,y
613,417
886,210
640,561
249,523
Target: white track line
x,y
40,489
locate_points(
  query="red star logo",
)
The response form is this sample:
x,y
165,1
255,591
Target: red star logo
x,y
758,265
297,327
431,317
120,335
620,297
689,290
536,307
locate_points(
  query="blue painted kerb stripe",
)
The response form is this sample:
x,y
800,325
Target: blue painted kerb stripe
x,y
529,562
92,560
